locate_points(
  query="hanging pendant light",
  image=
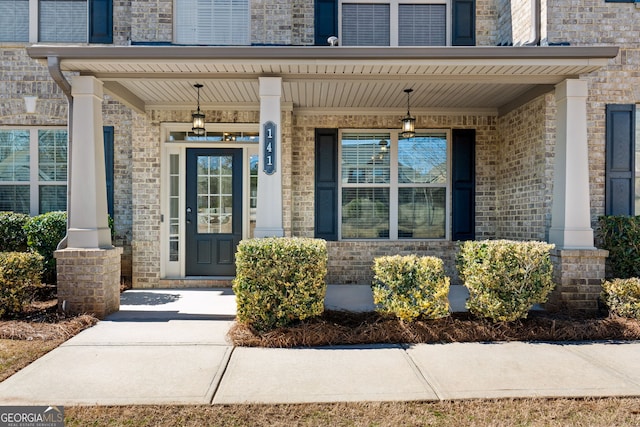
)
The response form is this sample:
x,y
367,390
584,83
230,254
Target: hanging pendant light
x,y
198,117
408,122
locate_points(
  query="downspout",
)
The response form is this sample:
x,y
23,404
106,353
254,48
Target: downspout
x,y
536,11
53,62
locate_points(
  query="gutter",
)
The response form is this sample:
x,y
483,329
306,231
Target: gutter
x,y
536,11
53,63
316,54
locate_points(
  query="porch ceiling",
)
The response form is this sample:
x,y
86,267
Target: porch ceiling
x,y
334,78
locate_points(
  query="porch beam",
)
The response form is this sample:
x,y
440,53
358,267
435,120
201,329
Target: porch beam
x,y
125,96
570,211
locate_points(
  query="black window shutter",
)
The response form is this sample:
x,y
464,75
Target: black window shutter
x,y
108,165
325,21
620,164
101,21
464,183
326,184
464,23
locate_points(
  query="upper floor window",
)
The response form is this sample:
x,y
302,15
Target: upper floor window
x,y
212,22
391,23
14,21
63,21
56,21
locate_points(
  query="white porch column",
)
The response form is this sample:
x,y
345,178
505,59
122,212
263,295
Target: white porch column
x,y
269,208
570,212
88,225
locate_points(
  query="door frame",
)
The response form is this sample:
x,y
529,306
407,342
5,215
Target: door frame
x,y
176,269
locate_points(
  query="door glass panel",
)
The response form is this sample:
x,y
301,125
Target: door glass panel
x,y
253,192
215,196
174,203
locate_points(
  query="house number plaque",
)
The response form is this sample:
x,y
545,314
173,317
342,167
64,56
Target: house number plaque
x,y
270,145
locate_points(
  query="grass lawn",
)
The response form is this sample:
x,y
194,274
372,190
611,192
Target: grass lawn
x,y
528,412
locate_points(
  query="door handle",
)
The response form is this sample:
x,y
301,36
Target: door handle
x,y
188,215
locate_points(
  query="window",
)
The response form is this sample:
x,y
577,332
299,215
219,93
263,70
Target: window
x,y
392,187
56,21
62,21
212,22
390,23
33,170
14,21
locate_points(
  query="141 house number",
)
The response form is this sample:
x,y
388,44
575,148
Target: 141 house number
x,y
270,145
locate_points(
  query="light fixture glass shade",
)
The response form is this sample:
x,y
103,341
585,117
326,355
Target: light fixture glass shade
x,y
408,122
198,123
198,117
408,126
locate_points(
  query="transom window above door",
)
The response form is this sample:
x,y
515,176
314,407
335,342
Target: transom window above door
x,y
212,22
391,23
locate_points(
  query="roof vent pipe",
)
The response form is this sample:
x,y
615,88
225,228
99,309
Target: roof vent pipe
x,y
536,11
53,63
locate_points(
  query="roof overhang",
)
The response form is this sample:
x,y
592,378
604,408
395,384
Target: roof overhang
x,y
339,79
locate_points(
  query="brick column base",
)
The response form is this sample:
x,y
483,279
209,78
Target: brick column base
x,y
578,275
89,280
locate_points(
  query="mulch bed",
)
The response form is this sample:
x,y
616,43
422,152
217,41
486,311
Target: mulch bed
x,y
42,321
343,328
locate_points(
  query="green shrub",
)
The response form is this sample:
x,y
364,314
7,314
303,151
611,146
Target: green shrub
x,y
12,235
410,287
279,281
505,278
20,274
44,232
622,296
620,235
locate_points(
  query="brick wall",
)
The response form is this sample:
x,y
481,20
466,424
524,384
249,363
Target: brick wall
x,y
22,76
120,117
594,22
525,173
151,20
89,281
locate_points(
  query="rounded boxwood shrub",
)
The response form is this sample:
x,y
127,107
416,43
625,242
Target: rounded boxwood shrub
x,y
12,235
44,232
20,274
279,281
410,287
505,278
622,296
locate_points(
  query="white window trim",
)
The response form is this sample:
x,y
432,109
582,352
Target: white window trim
x,y
393,16
177,269
393,184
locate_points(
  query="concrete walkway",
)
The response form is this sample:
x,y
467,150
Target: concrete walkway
x,y
170,347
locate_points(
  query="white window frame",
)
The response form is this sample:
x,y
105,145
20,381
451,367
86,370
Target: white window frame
x,y
394,185
176,269
393,16
34,181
